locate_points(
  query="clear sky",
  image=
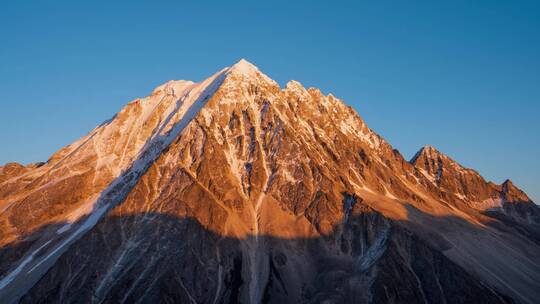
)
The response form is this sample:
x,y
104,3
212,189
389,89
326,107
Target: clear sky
x,y
463,76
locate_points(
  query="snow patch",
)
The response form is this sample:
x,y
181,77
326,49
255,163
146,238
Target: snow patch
x,y
375,251
389,194
490,204
7,279
64,228
89,223
288,177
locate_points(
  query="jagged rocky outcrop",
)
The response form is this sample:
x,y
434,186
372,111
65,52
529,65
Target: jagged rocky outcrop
x,y
236,190
470,187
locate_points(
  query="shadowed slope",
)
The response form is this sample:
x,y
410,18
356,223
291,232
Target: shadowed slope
x,y
154,257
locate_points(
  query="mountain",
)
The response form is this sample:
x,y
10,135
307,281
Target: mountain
x,y
234,190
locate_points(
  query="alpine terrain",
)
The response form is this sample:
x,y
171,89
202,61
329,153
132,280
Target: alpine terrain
x,y
234,190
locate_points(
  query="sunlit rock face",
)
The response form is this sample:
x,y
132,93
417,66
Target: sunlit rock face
x,y
234,190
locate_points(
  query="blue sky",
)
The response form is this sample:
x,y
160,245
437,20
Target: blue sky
x,y
462,76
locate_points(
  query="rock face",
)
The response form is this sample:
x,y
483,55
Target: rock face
x,y
233,190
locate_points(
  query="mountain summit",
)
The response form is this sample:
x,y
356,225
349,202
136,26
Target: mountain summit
x,y
245,67
234,190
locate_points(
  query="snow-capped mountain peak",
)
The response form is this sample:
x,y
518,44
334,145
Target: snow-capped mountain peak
x,y
234,190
